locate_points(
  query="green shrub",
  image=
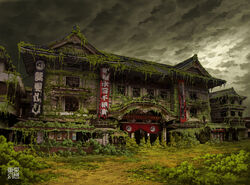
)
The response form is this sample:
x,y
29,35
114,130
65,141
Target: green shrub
x,y
217,169
26,163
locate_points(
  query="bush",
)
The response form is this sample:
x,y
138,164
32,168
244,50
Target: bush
x,y
217,169
26,163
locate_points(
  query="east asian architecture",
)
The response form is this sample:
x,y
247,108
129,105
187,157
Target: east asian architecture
x,y
79,92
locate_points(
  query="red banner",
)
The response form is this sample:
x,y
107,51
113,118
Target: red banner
x,y
182,101
104,93
149,128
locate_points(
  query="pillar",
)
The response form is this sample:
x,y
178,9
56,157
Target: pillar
x,y
105,139
164,134
132,135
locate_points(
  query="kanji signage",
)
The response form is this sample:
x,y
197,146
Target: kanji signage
x,y
182,101
38,88
104,92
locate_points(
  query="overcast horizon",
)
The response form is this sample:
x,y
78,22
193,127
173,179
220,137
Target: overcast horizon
x,y
164,31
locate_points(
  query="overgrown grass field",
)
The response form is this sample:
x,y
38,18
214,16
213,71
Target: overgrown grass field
x,y
221,163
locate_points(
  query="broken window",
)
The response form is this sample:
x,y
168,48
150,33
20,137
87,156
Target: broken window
x,y
223,114
232,113
193,112
121,89
3,88
193,95
72,81
136,92
164,94
71,104
240,114
223,101
150,93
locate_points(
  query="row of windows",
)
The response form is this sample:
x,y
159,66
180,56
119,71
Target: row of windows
x,y
232,113
136,92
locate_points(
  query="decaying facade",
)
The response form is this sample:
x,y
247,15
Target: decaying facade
x,y
80,92
227,110
11,90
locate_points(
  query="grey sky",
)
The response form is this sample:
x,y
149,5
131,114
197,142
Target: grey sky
x,y
165,31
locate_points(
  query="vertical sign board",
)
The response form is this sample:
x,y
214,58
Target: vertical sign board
x,y
37,94
104,92
182,101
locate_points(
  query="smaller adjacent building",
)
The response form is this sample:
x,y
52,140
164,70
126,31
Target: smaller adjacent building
x,y
11,90
247,123
227,112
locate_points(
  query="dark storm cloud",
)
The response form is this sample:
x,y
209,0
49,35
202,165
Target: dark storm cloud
x,y
166,31
230,63
201,9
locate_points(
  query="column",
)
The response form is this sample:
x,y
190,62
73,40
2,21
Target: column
x,y
132,135
164,134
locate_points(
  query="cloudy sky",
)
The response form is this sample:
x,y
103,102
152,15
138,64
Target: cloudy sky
x,y
165,31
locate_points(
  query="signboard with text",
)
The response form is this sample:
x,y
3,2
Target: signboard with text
x,y
37,94
104,92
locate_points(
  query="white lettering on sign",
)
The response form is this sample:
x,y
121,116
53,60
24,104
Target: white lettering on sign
x,y
37,97
38,76
36,109
38,88
104,92
104,105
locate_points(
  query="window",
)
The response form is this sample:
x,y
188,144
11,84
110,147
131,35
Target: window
x,y
121,89
193,95
136,92
240,114
150,93
232,113
72,81
223,114
240,102
3,88
71,104
164,94
232,101
223,101
193,112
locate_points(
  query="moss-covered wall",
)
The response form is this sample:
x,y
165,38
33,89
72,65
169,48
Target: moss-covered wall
x,y
55,89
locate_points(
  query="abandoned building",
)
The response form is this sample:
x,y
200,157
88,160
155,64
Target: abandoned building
x,y
11,90
247,121
80,92
227,110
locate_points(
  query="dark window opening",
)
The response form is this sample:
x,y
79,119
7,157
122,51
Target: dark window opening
x,y
193,95
193,112
72,81
72,66
223,101
232,113
71,104
150,93
121,89
164,94
3,88
223,114
240,102
232,101
240,114
136,92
